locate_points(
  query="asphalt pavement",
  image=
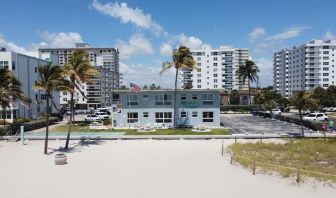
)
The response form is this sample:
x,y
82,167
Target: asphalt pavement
x,y
248,124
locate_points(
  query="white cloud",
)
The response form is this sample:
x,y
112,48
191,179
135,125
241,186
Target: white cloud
x,y
287,34
126,14
10,46
137,45
58,39
189,41
266,71
257,33
146,75
165,49
329,36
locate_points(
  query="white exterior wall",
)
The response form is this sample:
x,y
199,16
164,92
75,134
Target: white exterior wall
x,y
216,68
305,67
26,72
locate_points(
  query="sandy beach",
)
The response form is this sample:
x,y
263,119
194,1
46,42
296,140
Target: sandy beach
x,y
138,168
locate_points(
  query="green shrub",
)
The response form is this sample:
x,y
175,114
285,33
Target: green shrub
x,y
32,125
22,120
107,122
238,108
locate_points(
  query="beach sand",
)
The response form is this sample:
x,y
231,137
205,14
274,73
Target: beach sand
x,y
138,168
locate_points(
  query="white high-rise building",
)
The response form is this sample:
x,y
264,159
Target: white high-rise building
x,y
25,68
216,69
304,67
99,93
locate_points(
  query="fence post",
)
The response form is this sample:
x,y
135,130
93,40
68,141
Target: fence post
x,y
254,168
298,177
261,140
235,140
231,161
222,148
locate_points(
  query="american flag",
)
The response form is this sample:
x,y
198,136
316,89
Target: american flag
x,y
134,88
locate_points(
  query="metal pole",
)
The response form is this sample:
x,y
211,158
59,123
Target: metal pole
x,y
22,134
129,104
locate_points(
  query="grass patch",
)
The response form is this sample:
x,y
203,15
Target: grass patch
x,y
315,155
78,128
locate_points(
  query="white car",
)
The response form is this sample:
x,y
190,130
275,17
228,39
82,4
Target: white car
x,y
276,111
316,116
92,118
102,115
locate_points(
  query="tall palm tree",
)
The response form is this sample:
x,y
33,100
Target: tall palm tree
x,y
79,70
303,100
181,60
10,91
50,79
248,71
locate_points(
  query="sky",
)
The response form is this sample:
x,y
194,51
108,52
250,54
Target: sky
x,y
146,31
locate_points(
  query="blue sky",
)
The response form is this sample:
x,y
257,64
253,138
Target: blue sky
x,y
145,31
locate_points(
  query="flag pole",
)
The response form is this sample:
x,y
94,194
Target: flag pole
x,y
129,104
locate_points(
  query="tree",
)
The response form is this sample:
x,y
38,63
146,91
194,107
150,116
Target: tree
x,y
181,60
10,91
303,100
248,71
234,97
145,87
50,79
79,70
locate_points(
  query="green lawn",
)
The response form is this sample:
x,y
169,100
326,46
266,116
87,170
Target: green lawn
x,y
64,128
315,155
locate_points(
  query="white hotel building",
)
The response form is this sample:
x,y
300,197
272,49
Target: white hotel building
x,y
304,67
25,68
216,69
99,93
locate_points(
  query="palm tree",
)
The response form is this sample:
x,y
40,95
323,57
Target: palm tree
x,y
78,70
50,79
10,91
248,71
303,100
181,60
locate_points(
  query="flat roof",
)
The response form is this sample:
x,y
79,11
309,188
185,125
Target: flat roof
x,y
169,90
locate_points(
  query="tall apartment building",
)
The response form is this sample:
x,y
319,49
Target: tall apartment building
x,y
98,93
304,67
24,67
216,69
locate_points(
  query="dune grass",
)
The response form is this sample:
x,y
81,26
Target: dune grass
x,y
307,155
79,128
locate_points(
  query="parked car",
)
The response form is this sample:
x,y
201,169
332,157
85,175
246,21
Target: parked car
x,y
316,116
276,111
327,108
92,118
102,115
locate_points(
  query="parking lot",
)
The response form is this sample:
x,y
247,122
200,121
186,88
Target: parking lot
x,y
248,124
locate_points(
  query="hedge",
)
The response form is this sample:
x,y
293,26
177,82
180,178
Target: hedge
x,y
32,125
316,126
239,108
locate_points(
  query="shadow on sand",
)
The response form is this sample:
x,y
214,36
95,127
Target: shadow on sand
x,y
76,147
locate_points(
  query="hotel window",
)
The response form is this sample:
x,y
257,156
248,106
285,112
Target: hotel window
x,y
146,96
115,97
207,116
215,64
325,85
199,75
199,86
194,114
199,64
325,63
325,74
163,117
198,58
132,99
215,58
208,99
43,97
35,69
163,99
13,65
183,96
325,52
183,114
194,96
64,99
145,114
132,117
325,68
65,93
